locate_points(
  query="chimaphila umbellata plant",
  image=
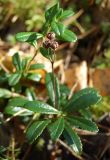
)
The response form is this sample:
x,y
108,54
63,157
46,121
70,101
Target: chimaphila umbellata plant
x,y
59,106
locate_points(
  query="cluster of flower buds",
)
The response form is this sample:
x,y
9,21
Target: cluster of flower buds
x,y
51,42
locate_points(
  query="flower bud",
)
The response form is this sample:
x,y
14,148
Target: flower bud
x,y
51,35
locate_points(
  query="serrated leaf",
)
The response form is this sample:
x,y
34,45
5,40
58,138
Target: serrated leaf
x,y
5,93
36,129
28,36
69,36
17,102
14,78
52,80
17,62
58,28
37,66
40,107
56,128
83,99
65,14
82,123
72,138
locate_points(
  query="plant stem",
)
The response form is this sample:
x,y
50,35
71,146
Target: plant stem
x,y
28,65
13,147
53,79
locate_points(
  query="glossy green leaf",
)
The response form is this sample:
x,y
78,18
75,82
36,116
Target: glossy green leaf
x,y
17,62
73,139
58,28
56,128
30,93
36,129
17,102
34,77
37,66
5,93
58,96
51,85
65,14
83,99
69,36
40,107
25,61
28,36
86,113
52,12
82,123
47,53
14,78
13,110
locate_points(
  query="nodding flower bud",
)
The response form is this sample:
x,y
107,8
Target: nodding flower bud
x,y
47,44
51,43
54,45
51,35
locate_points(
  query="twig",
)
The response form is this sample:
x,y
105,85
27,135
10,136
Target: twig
x,y
28,65
4,68
73,18
78,25
85,34
72,90
69,149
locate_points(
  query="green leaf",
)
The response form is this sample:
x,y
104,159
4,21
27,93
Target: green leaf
x,y
58,96
40,107
72,138
37,66
13,110
28,36
52,12
63,33
36,129
56,128
51,82
83,123
14,78
69,36
30,93
47,53
65,14
58,28
86,113
83,99
25,62
17,102
49,86
17,62
34,77
5,93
